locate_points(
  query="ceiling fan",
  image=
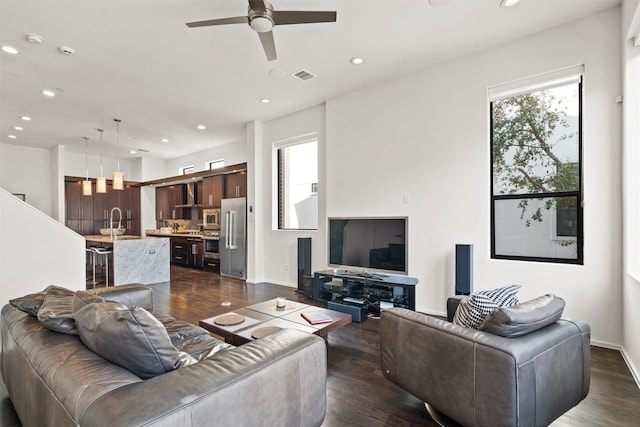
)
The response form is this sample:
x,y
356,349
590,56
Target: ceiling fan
x,y
262,17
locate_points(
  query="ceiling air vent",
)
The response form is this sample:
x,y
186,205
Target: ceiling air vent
x,y
142,150
303,75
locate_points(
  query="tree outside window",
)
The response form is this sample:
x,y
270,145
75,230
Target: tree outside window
x,y
536,175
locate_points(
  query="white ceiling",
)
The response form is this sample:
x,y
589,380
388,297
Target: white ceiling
x,y
136,60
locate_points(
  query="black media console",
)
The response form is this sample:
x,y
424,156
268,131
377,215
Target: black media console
x,y
372,290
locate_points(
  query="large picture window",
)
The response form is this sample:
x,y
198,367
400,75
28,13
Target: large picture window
x,y
536,174
297,171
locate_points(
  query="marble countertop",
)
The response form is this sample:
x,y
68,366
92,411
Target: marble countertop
x,y
157,233
107,239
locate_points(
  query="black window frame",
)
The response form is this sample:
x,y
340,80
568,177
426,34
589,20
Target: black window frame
x,y
578,194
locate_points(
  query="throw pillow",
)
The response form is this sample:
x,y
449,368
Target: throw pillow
x,y
56,313
524,318
505,296
130,337
84,298
473,309
31,303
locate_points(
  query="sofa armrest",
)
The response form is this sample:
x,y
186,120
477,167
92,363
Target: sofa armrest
x,y
134,294
452,306
477,378
279,379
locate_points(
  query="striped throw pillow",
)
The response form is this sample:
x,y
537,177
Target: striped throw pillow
x,y
473,309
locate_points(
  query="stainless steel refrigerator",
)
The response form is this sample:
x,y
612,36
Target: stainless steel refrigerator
x,y
233,238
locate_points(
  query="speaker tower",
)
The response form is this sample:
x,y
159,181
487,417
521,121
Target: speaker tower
x,y
464,269
305,278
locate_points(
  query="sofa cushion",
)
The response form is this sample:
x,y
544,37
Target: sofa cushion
x,y
56,313
524,318
474,308
31,303
130,337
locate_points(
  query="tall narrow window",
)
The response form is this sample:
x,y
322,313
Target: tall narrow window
x,y
297,169
536,185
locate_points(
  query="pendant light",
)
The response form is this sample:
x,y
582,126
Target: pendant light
x,y
86,184
118,177
101,181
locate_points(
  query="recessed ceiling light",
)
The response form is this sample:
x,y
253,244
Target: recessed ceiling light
x,y
34,38
12,136
132,152
10,49
509,3
201,127
18,128
357,60
265,100
165,140
48,93
25,118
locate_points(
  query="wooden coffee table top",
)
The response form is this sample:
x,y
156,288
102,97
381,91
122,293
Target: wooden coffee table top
x,y
263,315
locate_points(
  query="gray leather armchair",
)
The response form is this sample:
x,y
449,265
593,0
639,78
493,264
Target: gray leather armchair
x,y
476,378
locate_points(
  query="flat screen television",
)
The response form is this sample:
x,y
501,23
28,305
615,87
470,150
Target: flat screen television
x,y
369,244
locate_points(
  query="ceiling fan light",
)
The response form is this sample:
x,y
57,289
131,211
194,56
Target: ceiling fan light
x,y
261,24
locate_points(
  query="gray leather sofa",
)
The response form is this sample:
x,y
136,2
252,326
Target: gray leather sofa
x,y
53,379
477,378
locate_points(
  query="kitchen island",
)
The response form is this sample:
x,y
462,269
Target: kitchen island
x,y
135,259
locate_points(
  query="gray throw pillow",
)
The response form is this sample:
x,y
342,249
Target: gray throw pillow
x,y
84,298
56,313
130,337
524,318
31,303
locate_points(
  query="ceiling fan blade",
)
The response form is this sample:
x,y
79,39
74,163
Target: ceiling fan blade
x,y
258,5
286,17
268,45
221,21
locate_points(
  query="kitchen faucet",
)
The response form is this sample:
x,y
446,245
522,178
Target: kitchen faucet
x,y
111,222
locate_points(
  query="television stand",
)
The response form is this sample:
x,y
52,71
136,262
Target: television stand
x,y
376,289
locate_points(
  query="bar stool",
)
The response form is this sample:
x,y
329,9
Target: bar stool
x,y
99,254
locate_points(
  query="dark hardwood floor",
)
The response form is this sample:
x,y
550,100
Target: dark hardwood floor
x,y
357,392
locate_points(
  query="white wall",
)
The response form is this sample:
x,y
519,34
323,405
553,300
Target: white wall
x,y
232,153
28,170
36,251
631,129
75,166
425,137
281,246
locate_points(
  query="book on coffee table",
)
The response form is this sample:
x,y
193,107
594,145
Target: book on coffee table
x,y
316,317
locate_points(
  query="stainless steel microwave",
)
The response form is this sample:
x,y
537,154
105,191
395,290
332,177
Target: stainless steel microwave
x,y
211,219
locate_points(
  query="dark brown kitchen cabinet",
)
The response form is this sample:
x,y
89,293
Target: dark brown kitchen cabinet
x,y
212,191
127,200
187,251
235,185
180,249
166,200
79,208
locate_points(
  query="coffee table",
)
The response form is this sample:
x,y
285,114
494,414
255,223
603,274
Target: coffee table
x,y
267,315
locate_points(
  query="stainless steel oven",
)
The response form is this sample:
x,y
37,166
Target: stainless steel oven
x,y
211,219
211,241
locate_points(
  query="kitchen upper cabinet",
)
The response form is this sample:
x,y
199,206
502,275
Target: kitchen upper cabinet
x,y
235,185
127,200
79,208
166,200
212,189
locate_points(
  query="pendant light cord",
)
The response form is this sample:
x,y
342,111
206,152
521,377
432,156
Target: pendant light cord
x,y
86,156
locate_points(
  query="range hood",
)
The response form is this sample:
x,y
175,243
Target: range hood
x,y
189,196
